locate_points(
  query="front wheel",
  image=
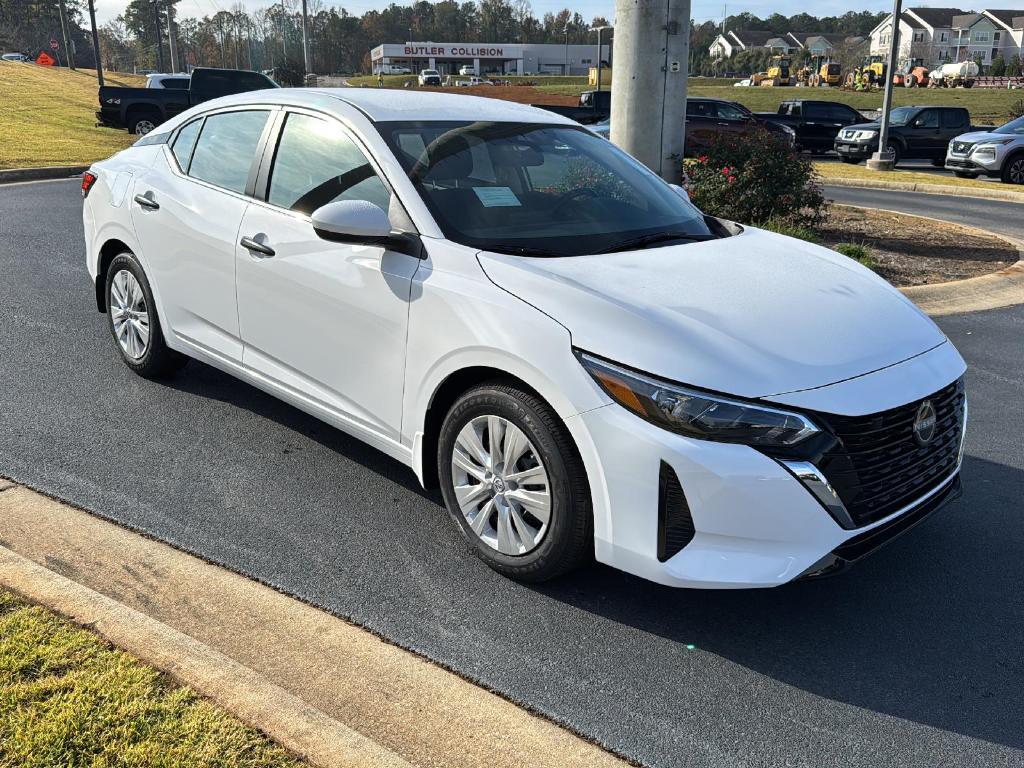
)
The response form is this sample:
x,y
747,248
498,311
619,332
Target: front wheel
x,y
894,150
514,483
1013,170
134,323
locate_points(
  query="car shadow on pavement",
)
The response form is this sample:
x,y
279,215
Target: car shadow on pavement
x,y
928,629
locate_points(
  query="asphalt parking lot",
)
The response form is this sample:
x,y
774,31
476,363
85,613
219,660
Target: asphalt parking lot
x,y
911,659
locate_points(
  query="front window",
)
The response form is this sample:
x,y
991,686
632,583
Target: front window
x,y
538,189
1013,128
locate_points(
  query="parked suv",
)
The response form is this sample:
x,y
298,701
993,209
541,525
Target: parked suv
x,y
708,118
998,153
914,132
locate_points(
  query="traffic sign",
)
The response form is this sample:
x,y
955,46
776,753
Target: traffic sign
x,y
54,44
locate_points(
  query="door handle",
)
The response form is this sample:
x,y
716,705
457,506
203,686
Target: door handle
x,y
251,245
147,202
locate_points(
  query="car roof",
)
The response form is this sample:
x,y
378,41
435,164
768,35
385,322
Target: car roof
x,y
392,104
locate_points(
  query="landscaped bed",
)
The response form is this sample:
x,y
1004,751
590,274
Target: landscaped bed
x,y
909,250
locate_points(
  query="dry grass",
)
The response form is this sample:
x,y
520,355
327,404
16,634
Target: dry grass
x,y
68,699
829,171
48,116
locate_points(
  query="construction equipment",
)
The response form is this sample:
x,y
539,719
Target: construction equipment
x,y
778,72
828,73
870,74
912,74
955,75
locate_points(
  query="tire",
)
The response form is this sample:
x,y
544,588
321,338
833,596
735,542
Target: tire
x,y
965,175
894,148
513,537
138,335
1013,170
141,123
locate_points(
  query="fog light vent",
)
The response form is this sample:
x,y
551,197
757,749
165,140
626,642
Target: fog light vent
x,y
675,526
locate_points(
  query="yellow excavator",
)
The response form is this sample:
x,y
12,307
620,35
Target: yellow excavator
x,y
778,72
870,74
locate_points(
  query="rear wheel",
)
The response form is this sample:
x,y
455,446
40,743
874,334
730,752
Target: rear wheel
x,y
1013,170
515,484
134,323
141,123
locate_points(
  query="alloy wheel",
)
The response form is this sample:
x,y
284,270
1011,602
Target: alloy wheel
x,y
130,314
1016,171
501,485
143,127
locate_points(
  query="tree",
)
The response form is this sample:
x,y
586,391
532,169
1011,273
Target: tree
x,y
1013,67
998,67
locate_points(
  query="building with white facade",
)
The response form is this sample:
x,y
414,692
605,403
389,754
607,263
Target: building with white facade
x,y
488,58
940,35
820,44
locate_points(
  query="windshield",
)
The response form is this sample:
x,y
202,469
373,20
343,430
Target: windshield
x,y
1014,127
537,189
902,115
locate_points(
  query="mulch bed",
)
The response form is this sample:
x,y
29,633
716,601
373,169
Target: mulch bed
x,y
915,251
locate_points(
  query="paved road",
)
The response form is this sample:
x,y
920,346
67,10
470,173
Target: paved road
x,y
994,215
912,659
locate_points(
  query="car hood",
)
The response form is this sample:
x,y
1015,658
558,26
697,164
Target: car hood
x,y
754,315
975,136
868,126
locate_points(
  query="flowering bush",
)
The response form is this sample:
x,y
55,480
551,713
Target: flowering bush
x,y
754,178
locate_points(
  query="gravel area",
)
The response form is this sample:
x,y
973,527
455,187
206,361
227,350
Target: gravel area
x,y
909,250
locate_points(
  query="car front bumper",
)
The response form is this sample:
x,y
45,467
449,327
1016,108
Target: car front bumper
x,y
752,522
987,165
857,149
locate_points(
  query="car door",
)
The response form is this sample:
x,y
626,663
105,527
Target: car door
x,y
925,135
731,119
324,319
819,132
187,214
701,127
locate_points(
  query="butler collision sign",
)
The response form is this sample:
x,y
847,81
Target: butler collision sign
x,y
503,58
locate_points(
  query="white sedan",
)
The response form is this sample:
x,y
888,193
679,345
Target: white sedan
x,y
533,321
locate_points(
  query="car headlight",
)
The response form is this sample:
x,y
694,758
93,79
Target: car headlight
x,y
985,153
698,414
788,129
864,135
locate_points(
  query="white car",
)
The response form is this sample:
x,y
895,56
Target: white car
x,y
745,83
529,318
998,153
178,81
21,58
467,69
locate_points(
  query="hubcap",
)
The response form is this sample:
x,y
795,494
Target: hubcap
x,y
129,314
501,485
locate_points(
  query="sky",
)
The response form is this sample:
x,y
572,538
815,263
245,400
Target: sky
x,y
701,10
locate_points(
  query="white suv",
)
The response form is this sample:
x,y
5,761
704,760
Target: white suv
x,y
533,321
998,153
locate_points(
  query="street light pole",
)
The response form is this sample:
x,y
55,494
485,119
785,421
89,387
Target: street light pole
x,y
566,67
171,42
305,41
96,43
600,52
882,160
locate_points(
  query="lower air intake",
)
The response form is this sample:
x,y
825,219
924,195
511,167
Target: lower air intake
x,y
675,526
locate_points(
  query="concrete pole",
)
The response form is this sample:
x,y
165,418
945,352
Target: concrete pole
x,y
652,43
69,52
172,43
305,40
882,160
96,42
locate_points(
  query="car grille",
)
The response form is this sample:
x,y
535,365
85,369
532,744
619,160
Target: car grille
x,y
962,147
959,163
877,467
675,525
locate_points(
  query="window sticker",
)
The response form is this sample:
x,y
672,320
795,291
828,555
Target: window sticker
x,y
497,197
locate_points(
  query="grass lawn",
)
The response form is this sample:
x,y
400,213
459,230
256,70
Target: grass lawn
x,y
47,116
69,699
829,171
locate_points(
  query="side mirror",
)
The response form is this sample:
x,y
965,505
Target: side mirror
x,y
681,192
363,223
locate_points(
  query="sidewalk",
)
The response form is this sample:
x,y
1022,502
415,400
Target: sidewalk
x,y
315,683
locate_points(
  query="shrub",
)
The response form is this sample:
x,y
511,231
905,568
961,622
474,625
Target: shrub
x,y
755,178
858,252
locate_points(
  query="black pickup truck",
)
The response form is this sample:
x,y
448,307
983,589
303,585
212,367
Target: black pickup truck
x,y
816,123
594,107
140,110
914,132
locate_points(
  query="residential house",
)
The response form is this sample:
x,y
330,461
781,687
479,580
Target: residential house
x,y
814,43
939,35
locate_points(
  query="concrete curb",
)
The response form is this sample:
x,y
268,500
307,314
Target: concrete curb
x,y
1004,195
41,174
300,728
1004,288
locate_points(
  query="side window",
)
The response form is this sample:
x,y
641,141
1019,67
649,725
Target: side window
x,y
226,148
185,143
700,109
729,112
816,111
317,163
953,118
842,114
929,118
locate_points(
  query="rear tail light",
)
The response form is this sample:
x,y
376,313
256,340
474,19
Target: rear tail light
x,y
88,179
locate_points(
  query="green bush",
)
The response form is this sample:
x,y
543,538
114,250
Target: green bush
x,y
858,252
755,178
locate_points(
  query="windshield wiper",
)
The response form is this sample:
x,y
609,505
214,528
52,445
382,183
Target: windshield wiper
x,y
658,237
522,250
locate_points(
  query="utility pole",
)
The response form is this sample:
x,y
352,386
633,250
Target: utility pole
x,y
159,37
172,43
566,68
305,41
883,160
600,53
69,52
652,44
96,43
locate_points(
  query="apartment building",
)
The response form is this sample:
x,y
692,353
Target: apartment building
x,y
940,35
814,43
